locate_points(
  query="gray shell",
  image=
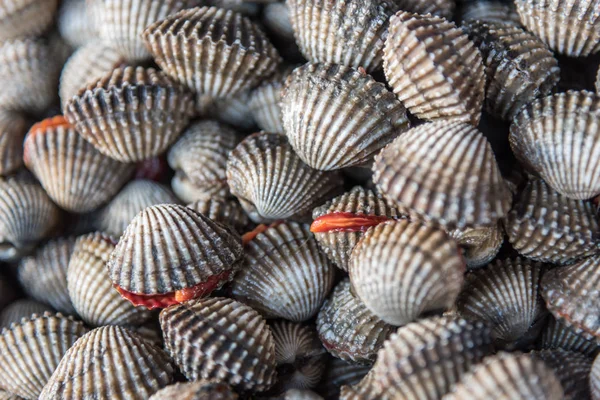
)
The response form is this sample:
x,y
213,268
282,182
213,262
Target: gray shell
x,y
19,309
13,127
227,212
4,395
25,18
490,11
572,370
479,245
233,110
264,101
276,18
77,21
198,390
558,335
339,373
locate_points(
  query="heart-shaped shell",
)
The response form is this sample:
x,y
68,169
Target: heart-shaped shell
x,y
211,50
75,175
77,21
335,116
490,11
13,127
434,69
25,18
339,373
131,114
198,390
31,350
284,274
108,363
19,309
479,245
546,226
224,211
220,338
350,32
558,335
90,288
264,101
440,8
572,370
557,137
271,182
445,173
348,329
519,67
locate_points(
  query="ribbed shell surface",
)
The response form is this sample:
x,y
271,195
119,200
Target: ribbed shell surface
x,y
440,8
445,173
211,50
284,274
13,128
335,116
170,247
557,137
519,67
348,32
490,11
558,335
224,211
31,349
272,182
264,101
198,390
131,114
220,338
19,309
110,363
434,69
25,18
572,370
4,395
546,226
76,21
479,245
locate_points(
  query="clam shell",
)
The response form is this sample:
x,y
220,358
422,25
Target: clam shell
x,y
224,211
479,245
4,395
220,338
75,175
339,373
557,137
268,192
25,18
335,116
264,101
444,173
108,363
595,379
31,350
211,50
284,275
77,21
490,11
276,18
348,32
132,114
402,269
19,309
439,8
572,370
234,110
13,128
199,390
434,69
547,226
558,335
348,329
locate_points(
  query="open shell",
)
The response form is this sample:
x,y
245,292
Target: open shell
x,y
198,390
479,245
25,18
558,335
572,370
13,128
19,309
224,211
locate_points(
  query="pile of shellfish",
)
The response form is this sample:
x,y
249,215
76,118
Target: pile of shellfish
x,y
299,199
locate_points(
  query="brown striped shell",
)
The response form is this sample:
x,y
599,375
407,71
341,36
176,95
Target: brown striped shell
x,y
339,373
109,363
572,370
268,193
13,127
19,309
434,69
440,8
558,335
25,18
227,212
595,379
335,116
77,21
220,338
284,275
198,390
131,114
264,101
490,11
479,245
31,350
211,50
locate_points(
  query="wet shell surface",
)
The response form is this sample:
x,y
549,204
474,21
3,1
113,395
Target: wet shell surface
x,y
558,335
25,18
444,173
192,44
546,226
269,193
19,309
109,363
284,275
434,69
335,116
479,245
77,21
220,338
199,390
131,114
264,101
572,370
490,11
224,211
440,8
31,349
13,128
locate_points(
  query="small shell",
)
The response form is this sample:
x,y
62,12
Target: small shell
x,y
77,21
220,338
335,116
547,226
439,8
595,379
199,390
558,335
479,245
267,192
339,373
13,127
402,269
19,309
276,18
558,137
444,173
490,11
284,275
109,363
212,51
348,329
434,69
265,100
25,18
572,370
224,211
31,350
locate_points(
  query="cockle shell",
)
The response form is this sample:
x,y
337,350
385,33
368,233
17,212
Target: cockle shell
x,y
434,69
264,101
479,245
13,127
440,8
335,116
19,309
558,335
31,350
109,363
76,21
339,373
284,274
276,18
198,390
220,338
224,211
25,18
233,110
4,395
490,11
572,370
595,379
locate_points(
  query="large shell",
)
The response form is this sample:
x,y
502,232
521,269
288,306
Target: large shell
x,y
547,226
25,18
13,127
109,363
198,390
31,350
19,309
445,173
213,51
558,335
490,11
572,370
220,338
284,274
434,69
519,67
224,211
338,373
335,116
131,114
76,21
479,245
265,101
558,138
